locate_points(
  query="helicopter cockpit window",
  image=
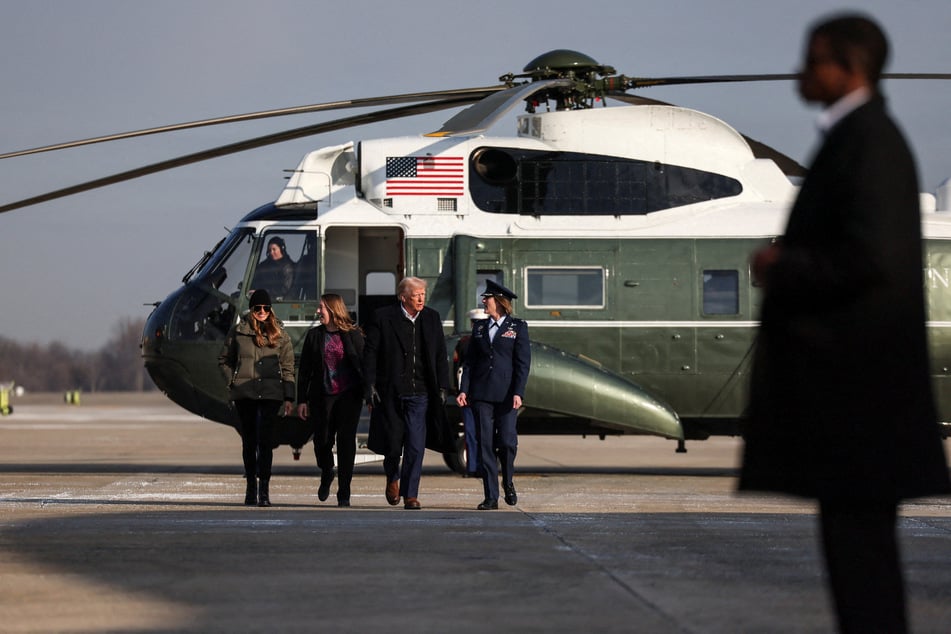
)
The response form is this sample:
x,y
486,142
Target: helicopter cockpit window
x,y
533,182
564,287
721,292
227,273
209,302
287,266
224,268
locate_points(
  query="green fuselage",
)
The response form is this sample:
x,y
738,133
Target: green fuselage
x,y
631,335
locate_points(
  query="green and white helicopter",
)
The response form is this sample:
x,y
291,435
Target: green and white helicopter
x,y
625,231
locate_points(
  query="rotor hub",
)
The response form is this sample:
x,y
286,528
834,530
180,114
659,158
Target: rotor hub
x,y
562,63
582,71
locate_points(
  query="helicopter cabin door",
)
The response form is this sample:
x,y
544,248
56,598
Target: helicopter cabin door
x,y
363,265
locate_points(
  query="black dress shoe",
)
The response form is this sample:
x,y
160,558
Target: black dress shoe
x,y
488,505
343,503
511,497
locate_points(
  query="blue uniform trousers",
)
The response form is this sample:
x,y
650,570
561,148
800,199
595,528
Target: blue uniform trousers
x,y
472,442
497,434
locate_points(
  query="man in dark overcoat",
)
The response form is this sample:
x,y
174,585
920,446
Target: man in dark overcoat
x,y
494,376
406,369
841,407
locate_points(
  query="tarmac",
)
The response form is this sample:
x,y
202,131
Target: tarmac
x,y
125,514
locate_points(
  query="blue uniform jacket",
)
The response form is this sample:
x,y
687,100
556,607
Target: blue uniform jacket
x,y
498,370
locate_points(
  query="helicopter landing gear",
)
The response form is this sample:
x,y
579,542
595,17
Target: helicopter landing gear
x,y
456,460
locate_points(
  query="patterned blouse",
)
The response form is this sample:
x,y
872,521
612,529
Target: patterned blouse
x,y
339,375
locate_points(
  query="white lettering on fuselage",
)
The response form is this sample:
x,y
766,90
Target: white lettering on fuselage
x,y
935,278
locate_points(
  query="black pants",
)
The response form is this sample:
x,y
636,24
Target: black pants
x,y
337,423
864,567
257,449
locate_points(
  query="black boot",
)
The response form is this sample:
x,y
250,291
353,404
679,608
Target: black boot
x,y
263,497
251,492
343,494
326,479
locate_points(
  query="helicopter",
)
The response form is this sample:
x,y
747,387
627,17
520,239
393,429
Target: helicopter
x,y
624,230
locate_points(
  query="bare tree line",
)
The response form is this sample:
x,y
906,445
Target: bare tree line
x,y
53,367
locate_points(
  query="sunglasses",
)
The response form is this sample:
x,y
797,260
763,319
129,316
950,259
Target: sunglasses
x,y
261,308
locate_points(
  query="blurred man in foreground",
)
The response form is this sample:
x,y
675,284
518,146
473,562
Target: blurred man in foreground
x,y
841,407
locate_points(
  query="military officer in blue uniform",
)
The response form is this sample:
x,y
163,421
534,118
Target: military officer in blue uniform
x,y
494,374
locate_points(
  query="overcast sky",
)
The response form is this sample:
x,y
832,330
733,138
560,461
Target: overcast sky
x,y
71,269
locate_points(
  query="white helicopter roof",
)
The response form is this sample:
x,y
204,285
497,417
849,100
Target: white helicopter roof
x,y
420,182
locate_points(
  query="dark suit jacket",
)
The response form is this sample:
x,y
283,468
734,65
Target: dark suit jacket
x,y
384,362
841,404
497,370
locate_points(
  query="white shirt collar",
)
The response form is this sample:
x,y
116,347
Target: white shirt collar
x,y
407,315
837,111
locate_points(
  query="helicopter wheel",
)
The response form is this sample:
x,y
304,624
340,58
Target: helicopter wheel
x,y
456,460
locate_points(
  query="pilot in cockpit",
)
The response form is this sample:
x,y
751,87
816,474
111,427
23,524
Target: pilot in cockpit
x,y
275,272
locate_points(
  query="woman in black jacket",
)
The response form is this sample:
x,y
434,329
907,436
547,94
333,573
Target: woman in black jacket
x,y
330,390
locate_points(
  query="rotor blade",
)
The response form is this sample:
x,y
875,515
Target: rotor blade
x,y
481,116
250,144
788,165
643,82
264,114
916,75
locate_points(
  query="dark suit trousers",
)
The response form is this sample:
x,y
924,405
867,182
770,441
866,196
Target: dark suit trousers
x,y
414,446
864,568
496,432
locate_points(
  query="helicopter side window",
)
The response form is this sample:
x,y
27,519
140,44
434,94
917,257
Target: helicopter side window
x,y
513,180
283,263
563,287
684,186
721,292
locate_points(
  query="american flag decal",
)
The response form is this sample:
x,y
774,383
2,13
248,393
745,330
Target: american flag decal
x,y
424,176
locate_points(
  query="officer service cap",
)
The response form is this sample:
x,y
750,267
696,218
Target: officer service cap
x,y
477,313
494,288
